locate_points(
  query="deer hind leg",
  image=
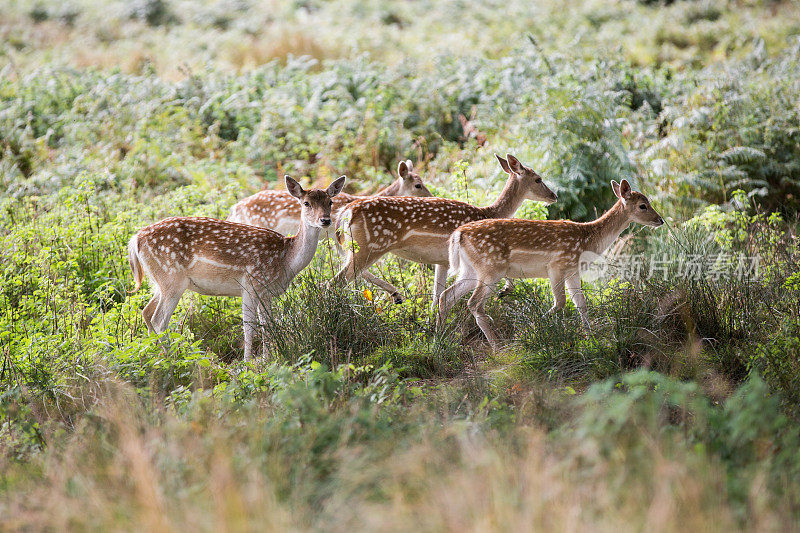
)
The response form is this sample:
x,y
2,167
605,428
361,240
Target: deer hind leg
x,y
506,289
357,264
439,284
149,310
477,306
167,295
354,263
167,303
451,296
393,291
165,306
573,285
557,286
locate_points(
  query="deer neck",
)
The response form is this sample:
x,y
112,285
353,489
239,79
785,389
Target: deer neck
x,y
302,248
608,228
508,202
344,198
390,190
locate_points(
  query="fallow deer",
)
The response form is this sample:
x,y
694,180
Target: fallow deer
x,y
417,229
484,252
222,258
279,211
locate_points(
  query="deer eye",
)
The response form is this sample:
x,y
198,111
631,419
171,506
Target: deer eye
x,y
417,186
642,207
306,204
538,180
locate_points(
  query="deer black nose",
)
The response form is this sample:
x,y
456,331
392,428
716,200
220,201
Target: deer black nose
x,y
325,221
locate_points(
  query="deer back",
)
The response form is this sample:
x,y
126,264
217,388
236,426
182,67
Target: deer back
x,y
180,244
387,220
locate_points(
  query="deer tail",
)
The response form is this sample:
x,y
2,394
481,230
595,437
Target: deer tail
x,y
342,226
454,253
235,214
133,260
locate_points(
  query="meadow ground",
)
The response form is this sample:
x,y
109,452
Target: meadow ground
x,y
678,411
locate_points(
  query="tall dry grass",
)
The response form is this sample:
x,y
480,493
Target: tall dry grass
x,y
133,467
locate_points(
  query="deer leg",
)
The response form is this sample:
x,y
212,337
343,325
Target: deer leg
x,y
451,296
439,284
264,310
385,285
249,316
149,310
506,289
557,286
477,305
573,285
357,265
354,264
163,312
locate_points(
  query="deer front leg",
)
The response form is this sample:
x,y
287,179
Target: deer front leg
x,y
477,306
439,284
249,318
557,286
573,285
264,310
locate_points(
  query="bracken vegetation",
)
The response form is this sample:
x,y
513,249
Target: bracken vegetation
x,y
679,411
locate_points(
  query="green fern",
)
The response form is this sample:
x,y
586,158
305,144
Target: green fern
x,y
742,156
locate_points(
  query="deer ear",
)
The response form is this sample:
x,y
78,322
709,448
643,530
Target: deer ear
x,y
293,187
402,169
514,164
462,119
615,188
410,165
621,191
503,164
625,189
336,187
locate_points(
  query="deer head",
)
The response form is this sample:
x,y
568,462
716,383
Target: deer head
x,y
636,204
410,182
315,204
532,183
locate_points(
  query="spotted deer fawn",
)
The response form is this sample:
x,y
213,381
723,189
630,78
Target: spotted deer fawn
x,y
484,252
279,211
417,229
222,258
